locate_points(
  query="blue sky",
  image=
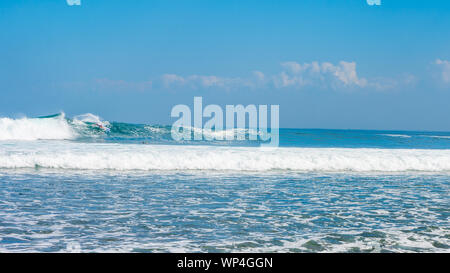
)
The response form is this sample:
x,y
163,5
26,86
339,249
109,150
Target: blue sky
x,y
328,64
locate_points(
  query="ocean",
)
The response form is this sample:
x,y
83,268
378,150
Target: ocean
x,y
86,185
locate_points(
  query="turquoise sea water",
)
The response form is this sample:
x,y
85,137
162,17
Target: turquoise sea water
x,y
69,185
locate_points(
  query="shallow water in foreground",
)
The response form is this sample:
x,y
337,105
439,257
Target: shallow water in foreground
x,y
84,184
210,211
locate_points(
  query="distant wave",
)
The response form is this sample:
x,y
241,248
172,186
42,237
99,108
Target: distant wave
x,y
94,156
58,127
409,136
396,135
442,137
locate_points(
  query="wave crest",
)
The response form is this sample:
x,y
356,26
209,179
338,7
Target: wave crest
x,y
55,127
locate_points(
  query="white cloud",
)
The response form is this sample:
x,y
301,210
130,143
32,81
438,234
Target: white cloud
x,y
211,81
389,83
346,73
107,84
342,75
197,81
293,74
259,75
319,74
169,80
444,70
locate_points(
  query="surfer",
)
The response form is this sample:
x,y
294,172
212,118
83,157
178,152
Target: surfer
x,y
99,125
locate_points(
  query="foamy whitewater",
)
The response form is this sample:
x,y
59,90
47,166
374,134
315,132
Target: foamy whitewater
x,y
34,129
95,156
86,184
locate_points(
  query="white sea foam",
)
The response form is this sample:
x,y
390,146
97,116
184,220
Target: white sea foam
x,y
443,137
35,128
95,156
396,135
222,134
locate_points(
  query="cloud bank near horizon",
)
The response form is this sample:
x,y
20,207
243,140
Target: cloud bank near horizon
x,y
342,76
292,75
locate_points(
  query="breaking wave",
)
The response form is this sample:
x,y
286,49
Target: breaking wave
x,y
55,127
90,127
107,156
